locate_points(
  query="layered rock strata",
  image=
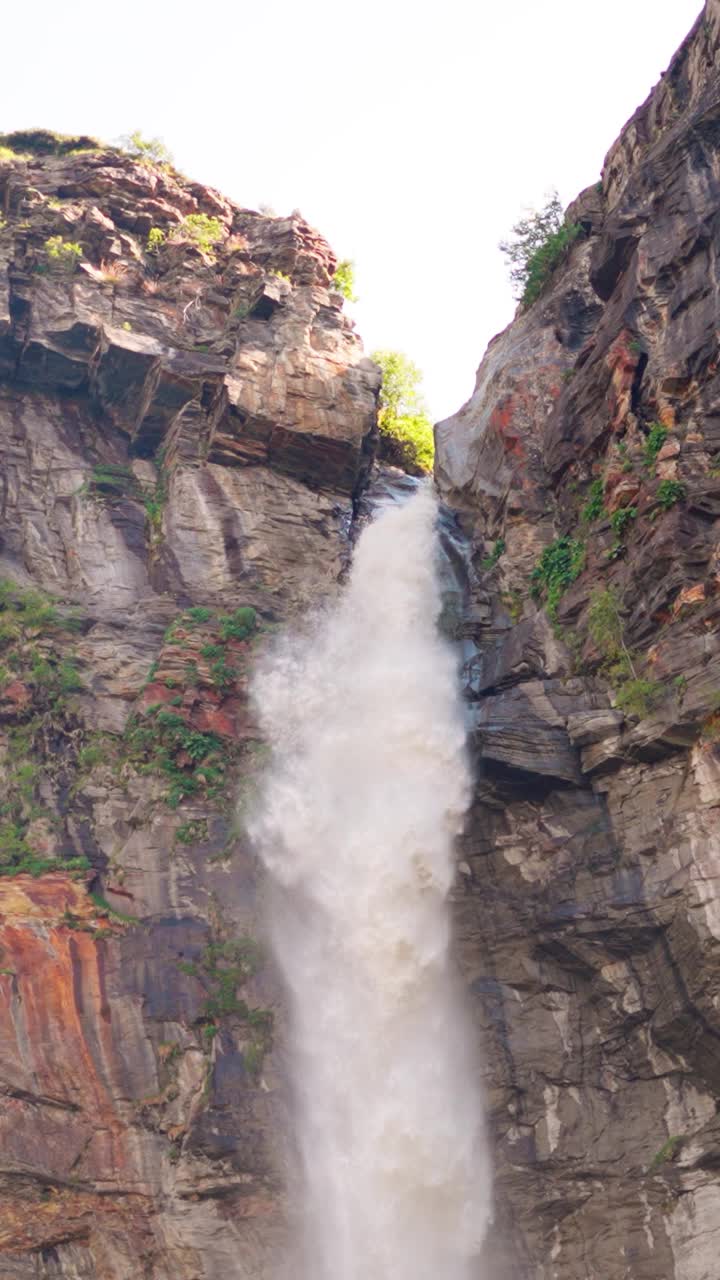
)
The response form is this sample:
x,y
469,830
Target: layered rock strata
x,y
586,473
187,418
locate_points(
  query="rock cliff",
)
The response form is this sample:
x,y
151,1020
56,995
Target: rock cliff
x,y
188,428
187,418
586,473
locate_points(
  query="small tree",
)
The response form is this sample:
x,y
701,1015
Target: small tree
x,y
405,425
538,243
344,279
151,149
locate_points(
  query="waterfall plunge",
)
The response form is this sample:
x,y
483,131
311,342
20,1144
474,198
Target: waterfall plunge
x,y
366,791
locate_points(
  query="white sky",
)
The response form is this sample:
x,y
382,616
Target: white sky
x,y
411,135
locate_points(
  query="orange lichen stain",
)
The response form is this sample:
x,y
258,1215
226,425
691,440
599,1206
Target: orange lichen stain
x,y
501,422
57,1030
622,361
46,897
60,1002
30,1222
688,597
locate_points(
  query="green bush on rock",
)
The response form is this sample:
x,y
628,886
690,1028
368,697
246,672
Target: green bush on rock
x,y
559,565
344,280
539,243
406,436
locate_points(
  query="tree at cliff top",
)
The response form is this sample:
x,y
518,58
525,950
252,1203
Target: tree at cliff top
x,y
406,435
538,244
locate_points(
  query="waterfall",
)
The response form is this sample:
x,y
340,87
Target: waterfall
x,y
366,791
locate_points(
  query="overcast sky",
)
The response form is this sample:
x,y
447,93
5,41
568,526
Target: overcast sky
x,y
411,135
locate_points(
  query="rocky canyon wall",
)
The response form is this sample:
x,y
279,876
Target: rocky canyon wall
x,y
188,424
186,418
586,471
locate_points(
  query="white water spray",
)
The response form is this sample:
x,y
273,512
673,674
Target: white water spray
x,y
366,791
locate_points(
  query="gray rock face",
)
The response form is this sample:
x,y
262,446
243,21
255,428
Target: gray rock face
x,y
184,433
588,910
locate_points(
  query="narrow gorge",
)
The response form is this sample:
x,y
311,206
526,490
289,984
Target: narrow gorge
x,y
188,472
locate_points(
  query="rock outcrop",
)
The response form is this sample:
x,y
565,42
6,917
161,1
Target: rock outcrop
x,y
585,470
187,420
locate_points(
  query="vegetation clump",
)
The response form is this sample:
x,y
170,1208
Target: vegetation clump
x,y
539,243
41,731
594,508
669,492
223,968
490,561
111,482
406,436
23,143
202,230
666,1152
155,240
238,625
151,150
656,438
634,695
621,519
63,253
344,279
192,762
559,565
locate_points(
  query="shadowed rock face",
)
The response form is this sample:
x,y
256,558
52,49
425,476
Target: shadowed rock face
x,y
588,913
184,434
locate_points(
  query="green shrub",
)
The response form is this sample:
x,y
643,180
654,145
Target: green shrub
x,y
559,565
638,697
633,694
620,520
344,280
192,832
45,142
212,651
654,443
63,253
8,156
222,674
666,1152
157,743
406,436
669,492
104,906
17,858
223,968
151,150
594,507
202,231
490,561
198,613
237,625
607,633
156,239
112,480
91,755
539,243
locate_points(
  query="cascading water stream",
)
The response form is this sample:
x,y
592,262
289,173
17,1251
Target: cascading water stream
x,y
366,791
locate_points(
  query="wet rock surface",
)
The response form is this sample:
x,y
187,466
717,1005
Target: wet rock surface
x,y
587,904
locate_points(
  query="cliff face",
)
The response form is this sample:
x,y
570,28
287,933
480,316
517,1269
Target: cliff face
x,y
186,418
588,909
188,422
